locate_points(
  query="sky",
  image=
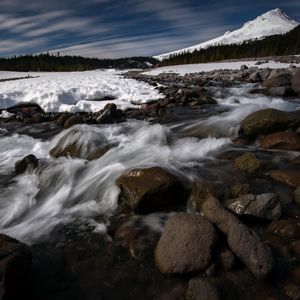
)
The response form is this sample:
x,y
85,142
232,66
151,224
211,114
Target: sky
x,y
122,28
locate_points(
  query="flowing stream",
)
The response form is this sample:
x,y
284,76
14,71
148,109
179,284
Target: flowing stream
x,y
64,190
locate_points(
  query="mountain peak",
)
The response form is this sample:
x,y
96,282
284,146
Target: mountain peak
x,y
272,22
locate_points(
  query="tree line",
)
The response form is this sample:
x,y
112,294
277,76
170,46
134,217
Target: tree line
x,y
67,63
275,45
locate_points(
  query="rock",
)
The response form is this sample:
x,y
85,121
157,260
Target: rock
x,y
289,177
210,288
265,73
281,140
240,189
297,195
296,249
243,68
265,206
281,80
15,269
81,143
62,119
249,164
28,163
226,259
38,118
292,290
201,189
296,82
74,120
186,245
255,77
280,91
213,210
152,189
268,121
287,229
251,250
26,108
294,274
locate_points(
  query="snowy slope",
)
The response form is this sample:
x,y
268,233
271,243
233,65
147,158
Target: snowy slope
x,y
74,91
272,22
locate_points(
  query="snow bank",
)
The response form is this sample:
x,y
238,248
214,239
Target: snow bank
x,y
74,91
207,67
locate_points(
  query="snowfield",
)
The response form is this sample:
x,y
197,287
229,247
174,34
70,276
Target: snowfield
x,y
74,91
207,67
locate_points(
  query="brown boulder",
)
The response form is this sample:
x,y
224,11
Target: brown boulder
x,y
15,267
186,244
249,164
152,189
268,121
281,80
289,177
281,140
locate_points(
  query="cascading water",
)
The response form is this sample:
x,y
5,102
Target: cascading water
x,y
65,189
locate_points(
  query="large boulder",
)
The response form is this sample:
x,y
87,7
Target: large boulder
x,y
281,140
268,121
186,245
251,250
280,80
290,177
81,143
296,82
151,189
265,206
15,268
28,163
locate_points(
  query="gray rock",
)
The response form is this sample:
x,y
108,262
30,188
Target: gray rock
x,y
255,77
28,163
264,206
186,244
251,250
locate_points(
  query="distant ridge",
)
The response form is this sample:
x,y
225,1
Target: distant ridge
x,y
270,23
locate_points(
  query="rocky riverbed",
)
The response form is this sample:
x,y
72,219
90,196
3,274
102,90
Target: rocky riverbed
x,y
192,196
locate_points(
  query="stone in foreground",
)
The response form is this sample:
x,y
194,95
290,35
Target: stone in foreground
x,y
186,245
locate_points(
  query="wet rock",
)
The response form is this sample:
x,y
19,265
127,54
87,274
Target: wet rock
x,y
278,245
296,249
76,119
287,229
268,121
294,274
243,68
280,80
28,163
213,210
249,164
201,189
226,259
15,269
251,250
26,109
78,143
265,206
210,288
289,177
38,118
255,77
296,82
240,189
186,244
281,140
292,290
152,189
297,195
62,119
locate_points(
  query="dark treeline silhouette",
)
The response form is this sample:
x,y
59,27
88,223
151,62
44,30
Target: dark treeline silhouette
x,y
49,62
275,45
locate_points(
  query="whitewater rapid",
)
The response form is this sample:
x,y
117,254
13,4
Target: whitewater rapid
x,y
66,190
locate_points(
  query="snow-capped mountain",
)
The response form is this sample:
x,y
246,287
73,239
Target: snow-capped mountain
x,y
272,22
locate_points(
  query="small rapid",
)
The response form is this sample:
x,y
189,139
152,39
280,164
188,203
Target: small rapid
x,y
64,190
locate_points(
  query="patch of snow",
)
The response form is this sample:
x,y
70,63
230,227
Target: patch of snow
x,y
5,114
74,91
207,67
272,22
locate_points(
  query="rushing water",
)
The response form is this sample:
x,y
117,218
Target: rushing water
x,y
63,190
